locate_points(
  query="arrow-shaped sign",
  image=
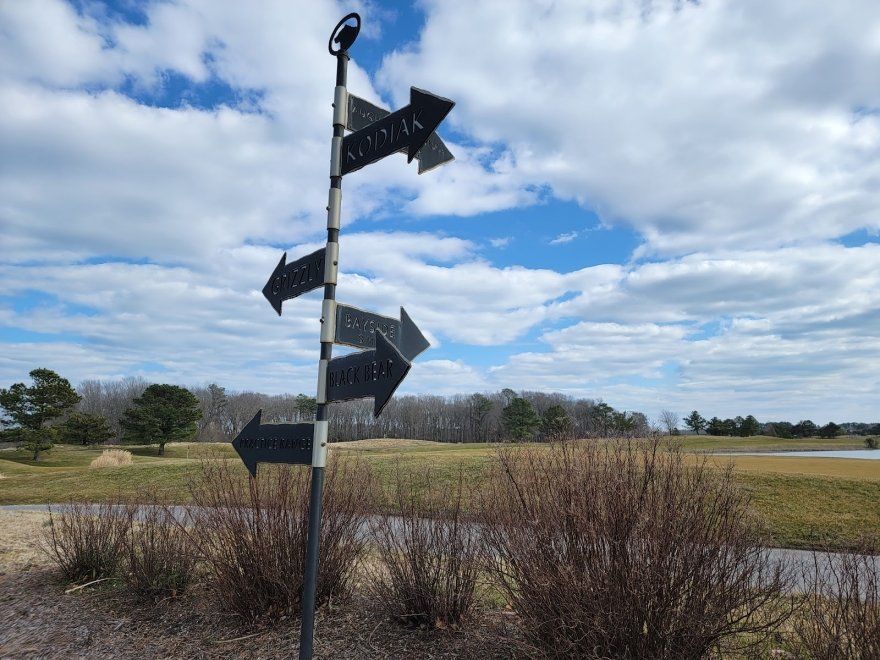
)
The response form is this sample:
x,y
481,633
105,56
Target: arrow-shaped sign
x,y
274,443
355,327
375,373
363,113
294,279
408,128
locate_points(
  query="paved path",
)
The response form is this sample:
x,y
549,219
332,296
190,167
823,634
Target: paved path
x,y
801,561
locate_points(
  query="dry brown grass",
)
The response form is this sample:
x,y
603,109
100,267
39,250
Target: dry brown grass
x,y
18,551
112,458
841,468
382,443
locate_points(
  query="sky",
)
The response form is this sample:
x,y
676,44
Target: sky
x,y
663,205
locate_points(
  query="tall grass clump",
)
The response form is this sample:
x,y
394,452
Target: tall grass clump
x,y
428,555
252,533
840,618
160,561
86,540
112,458
623,550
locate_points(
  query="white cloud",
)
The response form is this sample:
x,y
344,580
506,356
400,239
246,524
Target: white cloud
x,y
567,237
738,138
702,126
46,41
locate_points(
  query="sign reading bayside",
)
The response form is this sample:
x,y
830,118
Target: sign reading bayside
x,y
356,327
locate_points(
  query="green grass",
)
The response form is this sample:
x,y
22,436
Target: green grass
x,y
802,501
63,473
802,511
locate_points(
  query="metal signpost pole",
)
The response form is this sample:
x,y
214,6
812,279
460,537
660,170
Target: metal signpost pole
x,y
343,35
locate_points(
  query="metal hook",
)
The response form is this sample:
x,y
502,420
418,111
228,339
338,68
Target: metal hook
x,y
344,34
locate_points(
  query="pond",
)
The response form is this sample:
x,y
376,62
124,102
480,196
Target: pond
x,y
865,454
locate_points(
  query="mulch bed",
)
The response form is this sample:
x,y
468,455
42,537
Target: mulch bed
x,y
38,619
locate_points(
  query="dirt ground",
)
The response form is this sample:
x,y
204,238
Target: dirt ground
x,y
40,617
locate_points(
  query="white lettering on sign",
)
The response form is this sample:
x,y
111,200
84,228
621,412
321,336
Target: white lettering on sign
x,y
372,371
298,277
387,135
370,325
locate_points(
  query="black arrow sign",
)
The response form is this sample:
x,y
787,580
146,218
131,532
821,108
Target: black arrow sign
x,y
355,327
363,113
375,373
294,279
274,443
408,128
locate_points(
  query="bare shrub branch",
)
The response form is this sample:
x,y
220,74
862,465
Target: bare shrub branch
x,y
85,539
427,566
624,550
841,610
159,558
252,533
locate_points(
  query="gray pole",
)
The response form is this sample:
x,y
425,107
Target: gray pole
x,y
344,36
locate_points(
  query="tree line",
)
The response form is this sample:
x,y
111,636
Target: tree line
x,y
49,410
748,426
132,410
477,417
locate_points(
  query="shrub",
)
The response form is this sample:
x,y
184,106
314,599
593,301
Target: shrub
x,y
86,540
159,558
841,613
428,556
252,534
623,550
112,458
871,443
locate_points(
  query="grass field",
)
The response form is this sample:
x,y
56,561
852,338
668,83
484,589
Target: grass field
x,y
804,501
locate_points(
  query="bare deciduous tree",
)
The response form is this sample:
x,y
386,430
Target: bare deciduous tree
x,y
669,421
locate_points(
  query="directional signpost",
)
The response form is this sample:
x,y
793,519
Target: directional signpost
x,y
391,343
294,279
363,113
408,128
375,373
274,443
355,327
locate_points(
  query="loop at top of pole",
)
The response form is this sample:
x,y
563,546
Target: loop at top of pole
x,y
344,34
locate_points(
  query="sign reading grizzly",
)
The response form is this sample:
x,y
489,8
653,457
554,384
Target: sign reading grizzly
x,y
294,279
